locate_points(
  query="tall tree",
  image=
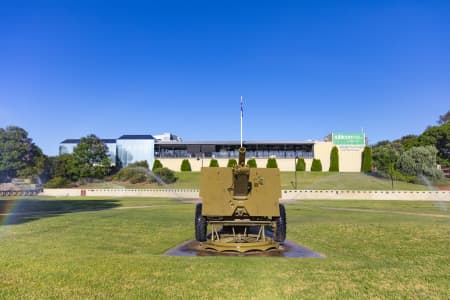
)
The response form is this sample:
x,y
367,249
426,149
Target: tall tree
x,y
62,166
334,160
90,158
367,160
408,141
444,118
439,137
19,156
384,157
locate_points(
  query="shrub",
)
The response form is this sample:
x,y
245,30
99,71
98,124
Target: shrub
x,y
334,160
165,175
157,165
186,166
231,163
252,163
137,178
316,165
419,161
301,165
142,164
367,160
272,163
58,182
127,173
214,163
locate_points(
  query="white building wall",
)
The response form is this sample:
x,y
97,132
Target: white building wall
x,y
134,150
284,164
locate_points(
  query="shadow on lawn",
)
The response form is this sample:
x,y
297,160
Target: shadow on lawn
x,y
18,211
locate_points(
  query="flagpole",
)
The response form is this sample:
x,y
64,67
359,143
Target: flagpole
x,y
241,121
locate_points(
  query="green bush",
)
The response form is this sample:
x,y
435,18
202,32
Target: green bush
x,y
157,165
165,175
57,182
301,165
127,173
231,163
419,161
214,163
186,166
272,163
334,160
137,178
367,160
316,165
252,163
142,164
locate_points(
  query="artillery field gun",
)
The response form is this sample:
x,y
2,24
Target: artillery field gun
x,y
238,204
20,187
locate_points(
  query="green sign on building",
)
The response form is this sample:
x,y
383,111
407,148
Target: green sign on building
x,y
349,139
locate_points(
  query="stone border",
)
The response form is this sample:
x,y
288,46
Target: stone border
x,y
365,195
287,195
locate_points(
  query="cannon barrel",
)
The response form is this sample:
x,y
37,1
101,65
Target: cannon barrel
x,y
242,156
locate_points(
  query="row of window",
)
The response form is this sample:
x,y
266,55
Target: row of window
x,y
167,153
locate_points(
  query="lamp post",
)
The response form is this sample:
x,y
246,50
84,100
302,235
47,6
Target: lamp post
x,y
295,171
203,156
294,183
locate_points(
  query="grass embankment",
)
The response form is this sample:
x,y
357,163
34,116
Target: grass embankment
x,y
305,180
116,253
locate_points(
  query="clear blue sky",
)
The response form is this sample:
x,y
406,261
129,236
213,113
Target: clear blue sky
x,y
305,68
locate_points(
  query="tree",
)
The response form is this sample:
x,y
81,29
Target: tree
x,y
419,161
439,137
272,163
61,166
252,163
444,118
19,156
408,141
383,157
213,163
157,165
231,163
334,160
301,165
316,165
90,158
367,160
186,166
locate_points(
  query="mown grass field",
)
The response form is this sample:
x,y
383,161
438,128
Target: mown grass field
x,y
114,250
305,180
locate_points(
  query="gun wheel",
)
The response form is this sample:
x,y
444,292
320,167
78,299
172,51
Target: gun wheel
x,y
280,232
200,224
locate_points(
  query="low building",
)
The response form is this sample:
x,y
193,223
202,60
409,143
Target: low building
x,y
171,150
200,154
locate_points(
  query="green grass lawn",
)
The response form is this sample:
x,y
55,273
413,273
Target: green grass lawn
x,y
305,180
105,252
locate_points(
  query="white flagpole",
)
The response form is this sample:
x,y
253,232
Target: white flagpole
x,y
241,121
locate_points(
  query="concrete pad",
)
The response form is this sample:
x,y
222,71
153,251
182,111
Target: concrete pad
x,y
287,249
